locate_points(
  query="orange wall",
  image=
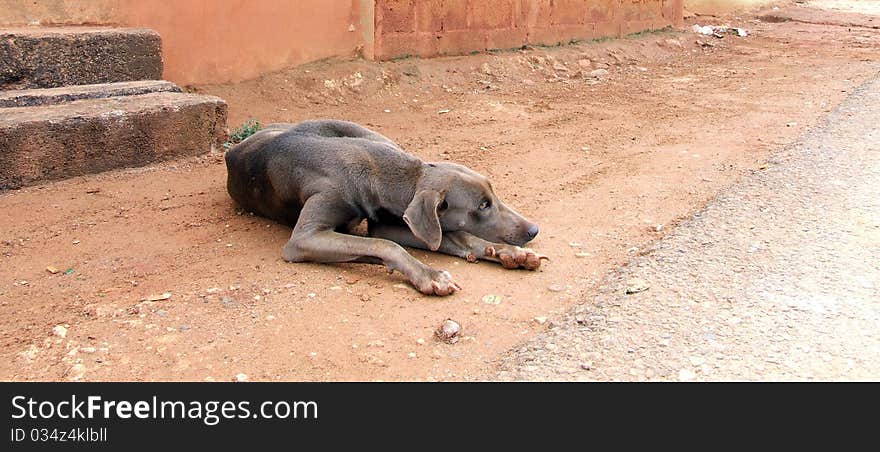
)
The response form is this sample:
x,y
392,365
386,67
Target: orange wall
x,y
437,27
216,41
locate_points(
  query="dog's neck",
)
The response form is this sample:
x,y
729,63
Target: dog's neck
x,y
401,184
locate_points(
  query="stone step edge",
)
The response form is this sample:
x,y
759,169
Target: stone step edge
x,y
53,96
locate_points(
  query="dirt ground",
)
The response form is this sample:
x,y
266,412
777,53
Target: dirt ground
x,y
777,279
605,163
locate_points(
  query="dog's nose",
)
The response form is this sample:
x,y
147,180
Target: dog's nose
x,y
532,232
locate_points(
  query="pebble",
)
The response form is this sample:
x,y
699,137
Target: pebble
x,y
540,320
697,360
420,341
449,331
556,288
77,371
587,365
411,355
686,375
636,285
60,331
599,73
159,297
87,350
582,255
240,378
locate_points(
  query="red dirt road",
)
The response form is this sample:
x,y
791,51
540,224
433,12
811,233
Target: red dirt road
x,y
598,162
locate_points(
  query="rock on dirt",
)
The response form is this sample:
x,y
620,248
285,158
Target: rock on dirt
x,y
686,375
636,285
449,331
60,331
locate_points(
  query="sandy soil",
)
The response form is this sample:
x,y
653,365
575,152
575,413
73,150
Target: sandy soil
x,y
778,279
599,162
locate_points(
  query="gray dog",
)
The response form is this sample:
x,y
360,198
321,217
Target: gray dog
x,y
323,177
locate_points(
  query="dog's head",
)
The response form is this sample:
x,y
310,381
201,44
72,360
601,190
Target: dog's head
x,y
451,197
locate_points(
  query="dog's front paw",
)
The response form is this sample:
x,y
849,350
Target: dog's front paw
x,y
437,283
515,257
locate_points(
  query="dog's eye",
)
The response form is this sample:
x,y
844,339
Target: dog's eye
x,y
443,206
485,204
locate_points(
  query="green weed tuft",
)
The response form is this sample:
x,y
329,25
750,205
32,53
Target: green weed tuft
x,y
250,127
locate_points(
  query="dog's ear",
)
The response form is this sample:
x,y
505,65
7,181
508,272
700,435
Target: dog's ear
x,y
422,218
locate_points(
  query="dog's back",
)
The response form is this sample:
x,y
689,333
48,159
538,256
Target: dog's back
x,y
273,171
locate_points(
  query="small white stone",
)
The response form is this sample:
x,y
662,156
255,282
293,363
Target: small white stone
x,y
686,375
60,331
636,285
241,378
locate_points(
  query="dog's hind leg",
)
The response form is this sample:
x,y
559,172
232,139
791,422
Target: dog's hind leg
x,y
315,240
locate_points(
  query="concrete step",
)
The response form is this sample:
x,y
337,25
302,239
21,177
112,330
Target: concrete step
x,y
48,57
46,142
52,96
